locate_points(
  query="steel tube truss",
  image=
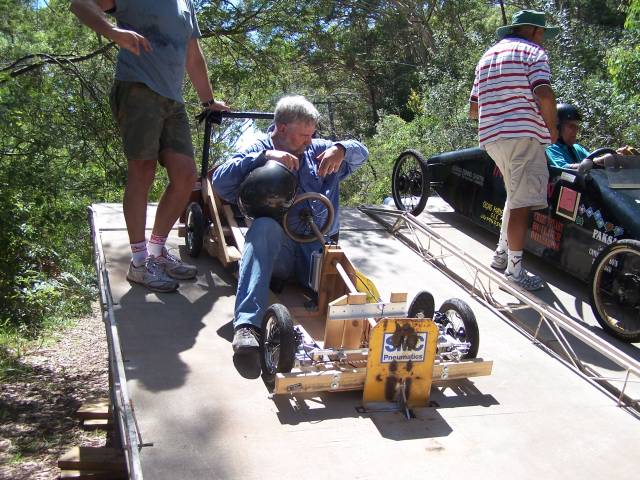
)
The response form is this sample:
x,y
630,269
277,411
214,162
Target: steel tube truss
x,y
483,282
120,401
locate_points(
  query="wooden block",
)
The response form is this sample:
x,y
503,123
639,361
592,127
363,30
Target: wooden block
x,y
340,301
329,380
298,381
92,475
93,410
97,424
233,225
93,458
359,298
398,297
476,367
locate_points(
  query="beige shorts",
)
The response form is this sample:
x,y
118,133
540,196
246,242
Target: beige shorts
x,y
523,165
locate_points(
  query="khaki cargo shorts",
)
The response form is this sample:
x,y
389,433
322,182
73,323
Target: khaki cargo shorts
x,y
149,123
523,165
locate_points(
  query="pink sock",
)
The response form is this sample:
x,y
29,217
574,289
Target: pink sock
x,y
139,252
156,244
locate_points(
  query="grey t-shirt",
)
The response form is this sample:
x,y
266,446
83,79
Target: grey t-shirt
x,y
168,25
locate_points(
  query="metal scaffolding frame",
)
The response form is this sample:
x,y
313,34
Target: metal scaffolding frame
x,y
483,281
118,391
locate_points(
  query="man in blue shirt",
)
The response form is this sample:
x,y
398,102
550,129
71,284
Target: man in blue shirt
x,y
158,41
320,165
566,153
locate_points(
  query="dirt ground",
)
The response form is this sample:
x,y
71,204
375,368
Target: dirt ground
x,y
37,405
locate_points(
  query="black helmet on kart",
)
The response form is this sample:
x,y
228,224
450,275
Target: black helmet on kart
x,y
268,191
567,112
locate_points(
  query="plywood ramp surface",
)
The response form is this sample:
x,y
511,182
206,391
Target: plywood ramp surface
x,y
531,419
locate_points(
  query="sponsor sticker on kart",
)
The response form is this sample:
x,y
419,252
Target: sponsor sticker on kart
x,y
408,349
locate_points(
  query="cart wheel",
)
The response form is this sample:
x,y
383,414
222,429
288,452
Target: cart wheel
x,y
308,212
195,229
422,305
463,324
278,348
615,289
410,182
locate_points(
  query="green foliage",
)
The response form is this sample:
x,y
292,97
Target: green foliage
x,y
394,74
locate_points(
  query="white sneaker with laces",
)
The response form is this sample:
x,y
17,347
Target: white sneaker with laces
x,y
525,280
500,260
175,267
152,276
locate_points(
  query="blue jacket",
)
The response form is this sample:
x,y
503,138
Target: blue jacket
x,y
227,178
559,155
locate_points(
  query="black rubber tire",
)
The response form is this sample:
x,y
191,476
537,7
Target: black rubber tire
x,y
629,333
277,333
410,182
423,303
472,334
194,229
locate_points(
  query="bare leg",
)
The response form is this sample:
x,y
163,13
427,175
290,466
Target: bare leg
x,y
517,229
182,176
140,175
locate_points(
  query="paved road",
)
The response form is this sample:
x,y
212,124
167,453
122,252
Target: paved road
x,y
533,418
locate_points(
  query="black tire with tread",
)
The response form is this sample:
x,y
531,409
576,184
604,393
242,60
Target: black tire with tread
x,y
423,303
194,226
281,334
472,334
421,163
605,255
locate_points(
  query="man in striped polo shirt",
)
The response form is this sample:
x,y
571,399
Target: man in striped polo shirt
x,y
516,108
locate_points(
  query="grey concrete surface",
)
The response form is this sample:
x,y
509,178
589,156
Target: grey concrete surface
x,y
532,418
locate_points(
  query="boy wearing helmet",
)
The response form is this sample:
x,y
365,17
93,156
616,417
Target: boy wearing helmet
x,y
317,165
566,153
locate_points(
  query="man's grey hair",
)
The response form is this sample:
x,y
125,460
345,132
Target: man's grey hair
x,y
296,108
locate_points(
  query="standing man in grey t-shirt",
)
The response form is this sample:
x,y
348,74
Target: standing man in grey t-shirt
x,y
158,41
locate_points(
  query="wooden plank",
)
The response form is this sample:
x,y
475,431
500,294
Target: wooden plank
x,y
476,367
337,379
94,410
323,381
217,234
97,424
93,458
235,229
343,300
358,298
397,297
92,475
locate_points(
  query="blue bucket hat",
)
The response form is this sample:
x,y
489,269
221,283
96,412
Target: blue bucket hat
x,y
531,18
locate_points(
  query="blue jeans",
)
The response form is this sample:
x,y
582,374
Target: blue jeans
x,y
268,251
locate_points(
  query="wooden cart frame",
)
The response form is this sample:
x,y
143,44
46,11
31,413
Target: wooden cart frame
x,y
347,337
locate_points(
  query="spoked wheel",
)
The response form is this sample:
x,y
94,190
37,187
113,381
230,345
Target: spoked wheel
x,y
422,305
278,348
410,182
309,217
460,323
194,235
615,289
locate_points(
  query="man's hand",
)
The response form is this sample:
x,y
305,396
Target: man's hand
x,y
130,40
330,160
287,159
219,106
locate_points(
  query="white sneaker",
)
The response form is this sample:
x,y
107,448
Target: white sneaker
x,y
175,267
152,276
500,260
525,280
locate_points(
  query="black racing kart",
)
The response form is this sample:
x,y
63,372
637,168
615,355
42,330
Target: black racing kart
x,y
591,228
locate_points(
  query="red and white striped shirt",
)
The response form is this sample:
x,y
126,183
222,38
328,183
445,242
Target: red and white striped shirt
x,y
506,76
